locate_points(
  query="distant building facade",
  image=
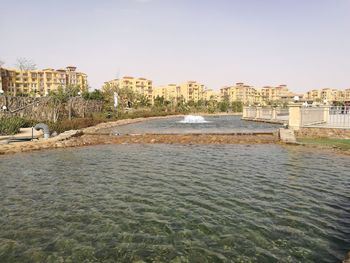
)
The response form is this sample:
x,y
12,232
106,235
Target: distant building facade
x,y
187,91
329,95
141,86
249,95
40,82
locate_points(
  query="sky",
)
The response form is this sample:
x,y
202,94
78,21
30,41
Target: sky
x,y
302,43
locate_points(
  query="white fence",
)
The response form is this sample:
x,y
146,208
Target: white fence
x,y
265,113
326,116
313,116
339,117
298,115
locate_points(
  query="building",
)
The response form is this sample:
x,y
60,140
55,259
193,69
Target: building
x,y
280,93
191,91
40,82
140,86
210,94
249,95
170,92
240,92
188,91
329,95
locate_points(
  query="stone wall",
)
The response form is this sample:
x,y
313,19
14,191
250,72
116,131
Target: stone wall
x,y
323,133
44,108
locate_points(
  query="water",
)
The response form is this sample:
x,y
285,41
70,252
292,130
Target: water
x,y
211,124
193,119
174,203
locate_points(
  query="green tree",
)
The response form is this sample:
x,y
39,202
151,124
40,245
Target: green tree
x,y
237,106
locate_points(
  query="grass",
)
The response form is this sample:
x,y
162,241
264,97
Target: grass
x,y
343,144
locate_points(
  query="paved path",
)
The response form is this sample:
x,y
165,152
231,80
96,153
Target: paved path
x,y
25,133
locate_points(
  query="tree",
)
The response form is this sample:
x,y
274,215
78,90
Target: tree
x,y
60,96
224,104
25,64
237,106
57,98
159,101
142,100
94,95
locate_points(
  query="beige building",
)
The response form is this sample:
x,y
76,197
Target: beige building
x,y
188,91
40,82
279,93
249,95
210,94
240,92
139,86
327,94
170,92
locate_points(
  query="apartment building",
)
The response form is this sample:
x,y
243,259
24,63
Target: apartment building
x,y
252,95
192,91
140,86
327,94
240,92
40,82
188,91
210,94
170,92
279,93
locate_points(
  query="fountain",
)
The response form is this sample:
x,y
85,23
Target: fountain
x,y
193,119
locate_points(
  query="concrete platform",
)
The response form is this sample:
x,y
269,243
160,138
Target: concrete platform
x,y
23,135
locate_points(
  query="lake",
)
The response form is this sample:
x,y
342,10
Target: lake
x,y
175,203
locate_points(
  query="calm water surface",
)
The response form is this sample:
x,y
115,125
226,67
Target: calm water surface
x,y
168,203
214,124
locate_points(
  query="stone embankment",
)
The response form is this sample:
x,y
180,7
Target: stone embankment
x,y
76,139
320,132
99,134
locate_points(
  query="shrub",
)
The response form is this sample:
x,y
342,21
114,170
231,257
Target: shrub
x,y
11,125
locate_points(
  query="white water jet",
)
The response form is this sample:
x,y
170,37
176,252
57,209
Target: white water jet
x,y
193,119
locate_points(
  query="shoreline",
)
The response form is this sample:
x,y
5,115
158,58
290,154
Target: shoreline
x,y
94,136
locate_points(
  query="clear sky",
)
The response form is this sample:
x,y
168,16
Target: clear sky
x,y
302,43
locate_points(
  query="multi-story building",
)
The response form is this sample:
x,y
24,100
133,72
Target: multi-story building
x,y
240,92
251,95
40,82
210,94
170,92
327,94
188,91
279,93
140,86
191,91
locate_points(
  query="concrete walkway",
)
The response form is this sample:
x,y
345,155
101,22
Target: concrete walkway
x,y
24,133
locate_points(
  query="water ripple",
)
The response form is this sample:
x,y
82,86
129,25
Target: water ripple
x,y
161,203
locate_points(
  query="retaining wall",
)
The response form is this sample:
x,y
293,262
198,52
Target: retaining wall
x,y
323,133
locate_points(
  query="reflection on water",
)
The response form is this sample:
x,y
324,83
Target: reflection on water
x,y
162,203
212,124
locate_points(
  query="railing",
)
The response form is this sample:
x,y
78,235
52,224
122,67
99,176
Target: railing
x,y
339,117
326,116
266,113
251,112
312,116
